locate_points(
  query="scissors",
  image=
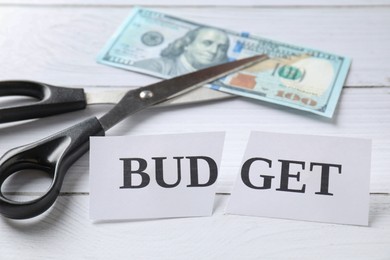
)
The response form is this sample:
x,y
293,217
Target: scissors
x,y
53,100
55,154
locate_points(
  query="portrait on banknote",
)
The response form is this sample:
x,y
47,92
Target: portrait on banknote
x,y
197,49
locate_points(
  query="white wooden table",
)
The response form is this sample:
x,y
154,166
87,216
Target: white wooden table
x,y
56,41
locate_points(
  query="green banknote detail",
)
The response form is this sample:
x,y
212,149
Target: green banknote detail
x,y
165,46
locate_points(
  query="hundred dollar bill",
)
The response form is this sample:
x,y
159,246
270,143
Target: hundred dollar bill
x,y
165,46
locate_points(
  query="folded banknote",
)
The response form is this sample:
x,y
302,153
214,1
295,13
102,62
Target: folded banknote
x,y
165,46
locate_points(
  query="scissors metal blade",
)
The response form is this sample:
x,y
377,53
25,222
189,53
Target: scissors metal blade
x,y
141,98
105,97
194,96
52,100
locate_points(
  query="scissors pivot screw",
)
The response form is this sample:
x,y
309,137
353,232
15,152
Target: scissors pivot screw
x,y
146,94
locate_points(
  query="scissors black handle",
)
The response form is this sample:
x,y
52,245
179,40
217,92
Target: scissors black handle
x,y
52,100
53,155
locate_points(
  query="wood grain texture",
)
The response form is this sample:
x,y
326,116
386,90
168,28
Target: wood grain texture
x,y
263,3
357,116
362,113
56,41
59,45
67,233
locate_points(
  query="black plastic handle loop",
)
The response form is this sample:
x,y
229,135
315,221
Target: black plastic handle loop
x,y
52,100
53,155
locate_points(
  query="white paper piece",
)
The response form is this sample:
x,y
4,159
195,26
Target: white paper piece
x,y
118,189
306,192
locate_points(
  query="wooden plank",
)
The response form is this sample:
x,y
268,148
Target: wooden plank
x,y
362,113
67,227
58,44
197,3
56,41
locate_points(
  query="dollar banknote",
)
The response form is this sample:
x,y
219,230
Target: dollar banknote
x,y
165,46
